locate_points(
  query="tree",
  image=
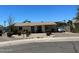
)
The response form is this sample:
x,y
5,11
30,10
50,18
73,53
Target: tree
x,y
27,33
77,15
26,21
76,19
10,20
71,24
10,23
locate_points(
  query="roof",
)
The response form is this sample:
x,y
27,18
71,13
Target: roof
x,y
75,21
35,24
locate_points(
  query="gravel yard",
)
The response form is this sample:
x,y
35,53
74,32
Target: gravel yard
x,y
37,35
43,35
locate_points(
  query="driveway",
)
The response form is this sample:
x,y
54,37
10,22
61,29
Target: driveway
x,y
65,34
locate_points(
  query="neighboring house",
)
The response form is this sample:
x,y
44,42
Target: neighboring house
x,y
1,27
36,27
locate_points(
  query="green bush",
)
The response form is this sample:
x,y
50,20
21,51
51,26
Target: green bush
x,y
19,33
48,32
15,31
9,34
27,33
77,30
1,32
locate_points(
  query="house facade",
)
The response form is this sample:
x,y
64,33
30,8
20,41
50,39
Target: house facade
x,y
36,27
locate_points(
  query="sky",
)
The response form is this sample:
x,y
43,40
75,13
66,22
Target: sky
x,y
37,13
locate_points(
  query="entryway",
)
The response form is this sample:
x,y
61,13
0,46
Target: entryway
x,y
39,29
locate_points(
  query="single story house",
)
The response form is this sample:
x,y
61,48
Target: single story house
x,y
36,27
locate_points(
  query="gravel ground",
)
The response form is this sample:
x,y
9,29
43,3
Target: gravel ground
x,y
5,38
38,35
43,35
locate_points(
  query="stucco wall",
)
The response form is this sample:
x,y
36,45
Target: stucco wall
x,y
35,28
26,28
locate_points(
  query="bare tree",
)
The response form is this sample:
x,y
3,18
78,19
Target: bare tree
x,y
10,23
10,20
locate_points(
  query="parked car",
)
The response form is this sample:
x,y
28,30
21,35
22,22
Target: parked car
x,y
61,29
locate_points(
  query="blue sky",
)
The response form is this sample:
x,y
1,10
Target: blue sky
x,y
37,13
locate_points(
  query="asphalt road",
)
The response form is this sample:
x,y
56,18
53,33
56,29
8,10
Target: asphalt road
x,y
43,47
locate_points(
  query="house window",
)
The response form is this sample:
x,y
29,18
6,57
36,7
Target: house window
x,y
20,28
47,27
32,29
39,29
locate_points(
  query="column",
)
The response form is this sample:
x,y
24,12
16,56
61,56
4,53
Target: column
x,y
43,28
35,28
29,28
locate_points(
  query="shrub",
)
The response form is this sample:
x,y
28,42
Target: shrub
x,y
48,32
9,34
76,30
15,32
19,33
27,33
1,32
